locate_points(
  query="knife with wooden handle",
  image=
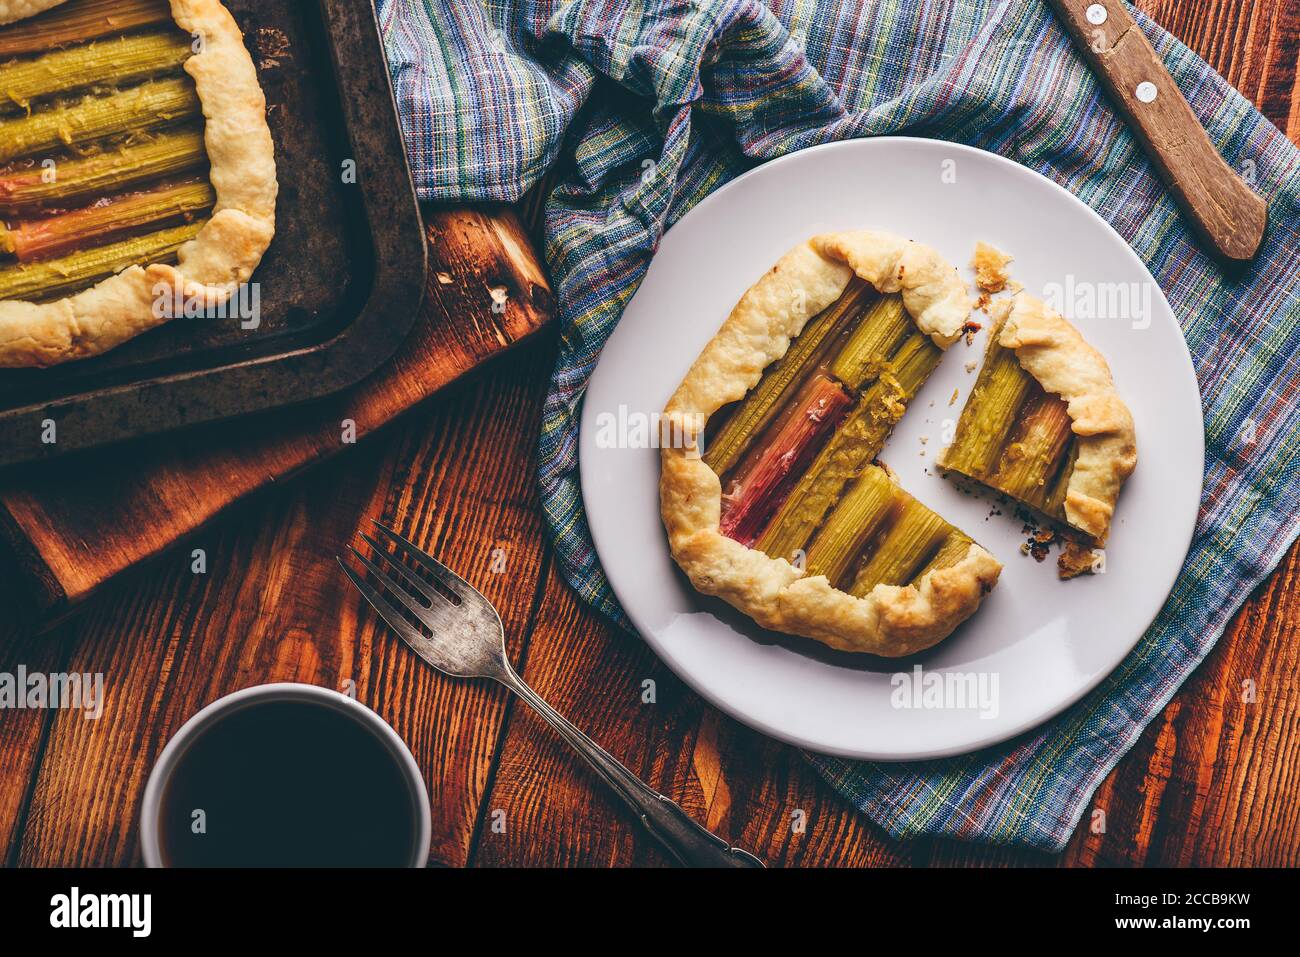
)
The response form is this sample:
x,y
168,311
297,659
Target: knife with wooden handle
x,y
1226,213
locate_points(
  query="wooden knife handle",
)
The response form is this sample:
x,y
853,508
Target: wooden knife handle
x,y
1226,213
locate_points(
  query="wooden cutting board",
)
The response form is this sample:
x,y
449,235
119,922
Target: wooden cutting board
x,y
73,524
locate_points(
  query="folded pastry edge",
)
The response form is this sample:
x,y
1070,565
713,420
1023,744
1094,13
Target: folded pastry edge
x,y
1054,352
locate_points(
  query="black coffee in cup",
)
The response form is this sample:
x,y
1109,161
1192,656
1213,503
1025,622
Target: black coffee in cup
x,y
289,783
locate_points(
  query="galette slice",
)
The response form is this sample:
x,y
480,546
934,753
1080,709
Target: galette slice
x,y
777,505
1044,424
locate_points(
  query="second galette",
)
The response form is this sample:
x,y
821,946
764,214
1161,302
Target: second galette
x,y
137,171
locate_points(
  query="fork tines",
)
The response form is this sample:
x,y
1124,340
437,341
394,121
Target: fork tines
x,y
425,602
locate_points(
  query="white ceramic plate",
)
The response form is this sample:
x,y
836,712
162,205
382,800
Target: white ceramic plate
x,y
1037,644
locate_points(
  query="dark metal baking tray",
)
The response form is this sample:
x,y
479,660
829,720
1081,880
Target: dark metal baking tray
x,y
340,285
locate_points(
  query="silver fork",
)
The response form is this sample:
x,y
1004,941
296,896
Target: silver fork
x,y
469,642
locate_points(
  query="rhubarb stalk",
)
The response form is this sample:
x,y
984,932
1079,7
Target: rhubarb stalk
x,y
754,490
990,413
913,536
1033,456
98,223
883,329
953,549
49,278
80,22
144,107
168,153
782,380
1054,505
851,526
109,62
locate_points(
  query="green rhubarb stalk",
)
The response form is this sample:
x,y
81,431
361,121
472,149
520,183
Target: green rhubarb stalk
x,y
144,107
757,410
884,328
95,225
909,367
916,533
1033,456
854,445
53,277
990,413
952,549
851,526
80,22
112,61
168,153
755,489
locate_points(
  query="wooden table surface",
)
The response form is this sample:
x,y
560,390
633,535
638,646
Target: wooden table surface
x,y
1214,780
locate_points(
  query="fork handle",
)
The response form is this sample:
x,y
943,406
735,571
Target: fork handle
x,y
685,840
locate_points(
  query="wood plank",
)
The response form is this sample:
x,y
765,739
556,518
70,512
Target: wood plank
x,y
486,292
1254,45
273,606
746,787
23,733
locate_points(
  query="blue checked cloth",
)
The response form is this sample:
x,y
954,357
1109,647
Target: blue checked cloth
x,y
493,93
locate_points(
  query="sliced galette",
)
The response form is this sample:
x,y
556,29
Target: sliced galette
x,y
771,492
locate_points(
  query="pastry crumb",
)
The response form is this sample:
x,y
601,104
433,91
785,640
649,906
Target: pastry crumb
x,y
990,265
970,367
1076,558
970,329
1038,539
1039,548
955,393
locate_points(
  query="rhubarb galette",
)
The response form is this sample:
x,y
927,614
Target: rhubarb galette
x,y
137,173
783,512
771,492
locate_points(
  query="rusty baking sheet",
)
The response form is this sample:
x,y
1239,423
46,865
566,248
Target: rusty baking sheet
x,y
338,289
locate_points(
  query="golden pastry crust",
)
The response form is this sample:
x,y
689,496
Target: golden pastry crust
x,y
890,621
12,10
1051,350
212,265
991,276
935,297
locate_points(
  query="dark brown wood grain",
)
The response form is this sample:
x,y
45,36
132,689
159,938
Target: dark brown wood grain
x,y
273,605
76,525
747,788
22,733
1214,780
1227,214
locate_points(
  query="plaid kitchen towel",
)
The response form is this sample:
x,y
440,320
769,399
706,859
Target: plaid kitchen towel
x,y
492,93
